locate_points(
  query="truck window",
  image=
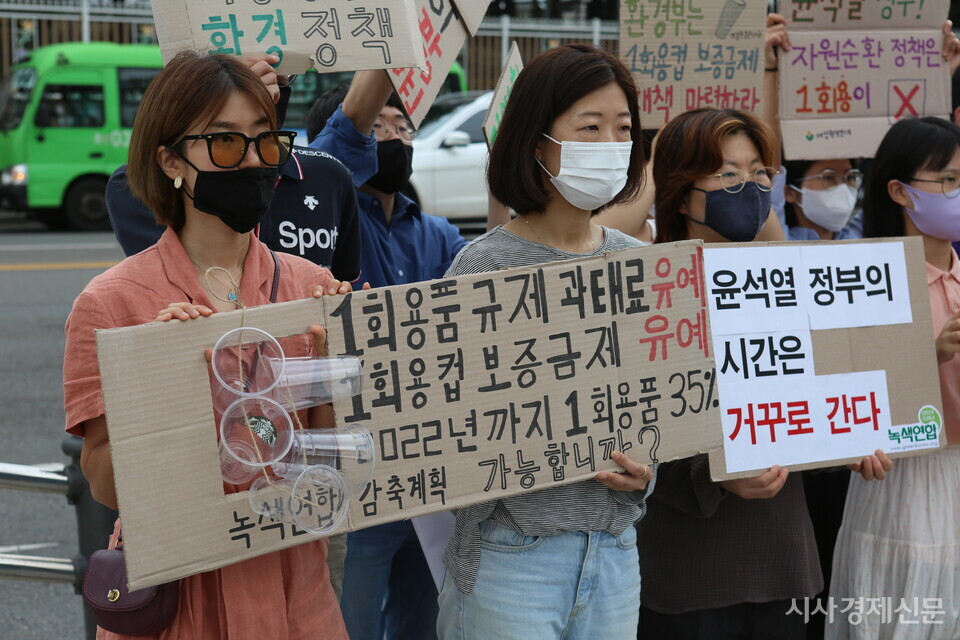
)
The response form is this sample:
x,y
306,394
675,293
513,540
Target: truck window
x,y
133,83
15,93
69,105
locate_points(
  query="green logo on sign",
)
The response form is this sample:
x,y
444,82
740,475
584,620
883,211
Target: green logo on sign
x,y
928,428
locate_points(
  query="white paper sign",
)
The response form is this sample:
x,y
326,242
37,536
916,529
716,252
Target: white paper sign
x,y
763,356
826,417
855,285
754,289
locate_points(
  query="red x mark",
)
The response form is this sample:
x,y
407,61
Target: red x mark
x,y
906,100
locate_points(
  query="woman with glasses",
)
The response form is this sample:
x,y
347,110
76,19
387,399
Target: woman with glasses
x,y
821,198
721,559
900,541
205,162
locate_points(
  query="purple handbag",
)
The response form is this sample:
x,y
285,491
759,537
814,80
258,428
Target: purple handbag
x,y
144,612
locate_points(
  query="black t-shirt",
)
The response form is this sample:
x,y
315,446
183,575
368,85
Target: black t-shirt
x,y
313,214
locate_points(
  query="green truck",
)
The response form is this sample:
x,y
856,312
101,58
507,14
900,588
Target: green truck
x,y
66,113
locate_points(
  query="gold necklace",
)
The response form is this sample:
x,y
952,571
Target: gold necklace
x,y
593,242
233,286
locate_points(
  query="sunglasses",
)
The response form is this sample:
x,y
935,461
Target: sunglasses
x,y
227,149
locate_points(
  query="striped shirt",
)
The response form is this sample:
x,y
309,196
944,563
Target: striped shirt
x,y
581,506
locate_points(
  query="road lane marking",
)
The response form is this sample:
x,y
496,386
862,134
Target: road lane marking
x,y
60,247
54,266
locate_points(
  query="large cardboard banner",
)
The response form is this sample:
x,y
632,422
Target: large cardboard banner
x,y
476,387
442,36
511,70
824,353
855,69
686,54
334,35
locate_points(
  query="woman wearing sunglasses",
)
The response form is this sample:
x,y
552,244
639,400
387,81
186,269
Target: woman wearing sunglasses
x,y
205,162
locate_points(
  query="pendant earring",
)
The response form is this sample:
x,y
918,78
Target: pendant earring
x,y
178,182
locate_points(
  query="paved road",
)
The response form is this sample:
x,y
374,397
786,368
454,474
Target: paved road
x,y
40,274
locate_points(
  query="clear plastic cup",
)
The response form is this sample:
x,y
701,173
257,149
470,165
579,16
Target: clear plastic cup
x,y
316,500
234,471
256,431
349,450
319,500
246,362
310,382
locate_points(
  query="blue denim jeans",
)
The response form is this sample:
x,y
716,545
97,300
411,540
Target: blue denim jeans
x,y
571,586
387,586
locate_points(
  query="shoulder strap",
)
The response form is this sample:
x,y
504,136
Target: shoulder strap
x,y
276,276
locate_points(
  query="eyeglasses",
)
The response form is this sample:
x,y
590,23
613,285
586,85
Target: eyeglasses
x,y
227,149
829,178
732,180
382,130
950,185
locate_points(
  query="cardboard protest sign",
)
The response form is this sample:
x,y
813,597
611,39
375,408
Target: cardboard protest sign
x,y
491,123
336,35
476,387
824,353
856,69
472,12
442,36
693,53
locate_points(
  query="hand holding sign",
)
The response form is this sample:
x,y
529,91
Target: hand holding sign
x,y
948,342
635,477
766,485
951,47
776,37
873,467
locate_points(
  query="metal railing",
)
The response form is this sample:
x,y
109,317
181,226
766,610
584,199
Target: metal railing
x,y
94,521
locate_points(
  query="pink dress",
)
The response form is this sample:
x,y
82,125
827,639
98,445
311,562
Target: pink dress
x,y
285,595
896,566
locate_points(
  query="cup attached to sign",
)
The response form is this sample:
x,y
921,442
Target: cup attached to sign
x,y
315,500
310,382
349,450
240,365
256,431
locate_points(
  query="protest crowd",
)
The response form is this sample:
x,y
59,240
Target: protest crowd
x,y
652,550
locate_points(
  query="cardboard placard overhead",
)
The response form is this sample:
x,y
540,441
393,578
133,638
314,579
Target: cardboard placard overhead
x,y
501,96
824,353
475,388
442,36
472,12
854,70
336,35
696,53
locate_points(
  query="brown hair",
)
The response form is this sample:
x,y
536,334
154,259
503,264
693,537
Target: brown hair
x,y
191,89
549,85
688,149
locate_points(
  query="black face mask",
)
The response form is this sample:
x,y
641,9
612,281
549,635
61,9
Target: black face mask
x,y
394,166
239,197
739,216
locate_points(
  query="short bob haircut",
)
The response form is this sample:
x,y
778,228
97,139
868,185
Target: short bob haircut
x,y
548,86
689,149
188,92
910,146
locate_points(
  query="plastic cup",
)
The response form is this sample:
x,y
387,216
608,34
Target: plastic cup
x,y
319,499
310,382
316,500
256,431
239,364
349,450
728,17
234,471
270,497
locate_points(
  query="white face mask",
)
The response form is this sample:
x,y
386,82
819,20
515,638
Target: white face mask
x,y
829,208
591,173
